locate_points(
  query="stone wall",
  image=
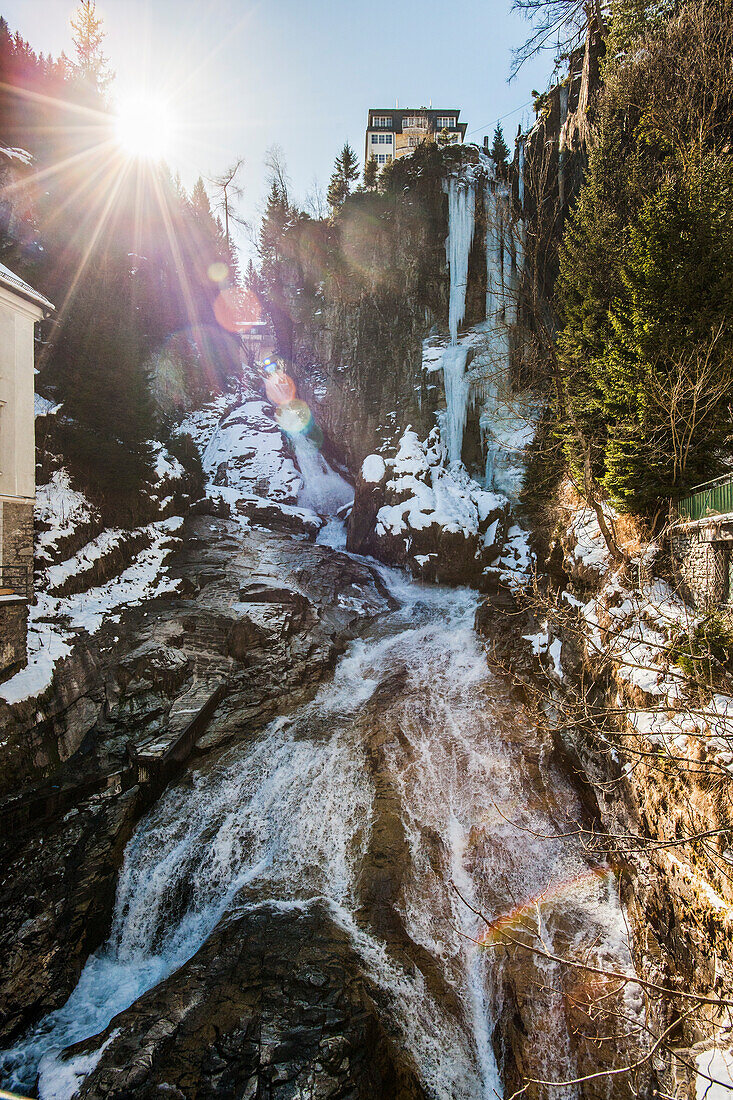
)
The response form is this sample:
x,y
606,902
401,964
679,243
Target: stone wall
x,y
17,538
701,566
13,630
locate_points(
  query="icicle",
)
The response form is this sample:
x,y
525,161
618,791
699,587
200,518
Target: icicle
x,y
461,223
461,205
456,399
497,254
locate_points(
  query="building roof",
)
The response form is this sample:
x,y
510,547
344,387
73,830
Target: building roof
x,y
13,282
398,113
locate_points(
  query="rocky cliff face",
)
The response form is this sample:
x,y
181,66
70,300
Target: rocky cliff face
x,y
651,751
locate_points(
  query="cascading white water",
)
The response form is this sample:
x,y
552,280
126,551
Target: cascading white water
x,y
323,489
461,224
288,819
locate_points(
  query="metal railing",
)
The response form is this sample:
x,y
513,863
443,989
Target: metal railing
x,y
16,580
712,498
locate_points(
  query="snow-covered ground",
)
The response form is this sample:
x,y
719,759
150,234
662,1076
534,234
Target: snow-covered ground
x,y
54,621
633,627
59,511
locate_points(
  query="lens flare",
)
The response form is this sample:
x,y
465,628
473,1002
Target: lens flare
x,y
229,309
280,388
516,919
218,272
294,417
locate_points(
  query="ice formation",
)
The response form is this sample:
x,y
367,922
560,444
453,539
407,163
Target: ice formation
x,y
461,224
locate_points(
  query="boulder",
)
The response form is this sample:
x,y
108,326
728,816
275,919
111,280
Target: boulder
x,y
275,1004
415,511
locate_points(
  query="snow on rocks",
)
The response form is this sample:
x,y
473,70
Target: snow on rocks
x,y
714,1074
62,516
585,546
97,561
247,462
429,516
631,627
43,407
243,448
373,469
22,156
55,621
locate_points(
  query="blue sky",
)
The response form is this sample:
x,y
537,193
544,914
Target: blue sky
x,y
301,74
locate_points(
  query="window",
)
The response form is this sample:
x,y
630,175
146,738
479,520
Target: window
x,y
382,120
415,122
446,122
383,139
375,138
414,141
384,158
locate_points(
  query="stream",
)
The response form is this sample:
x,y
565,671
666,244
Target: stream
x,y
414,797
291,817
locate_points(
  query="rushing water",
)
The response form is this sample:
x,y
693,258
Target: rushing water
x,y
288,819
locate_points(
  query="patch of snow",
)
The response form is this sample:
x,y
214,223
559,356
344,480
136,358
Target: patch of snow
x,y
12,153
718,1065
56,575
373,468
43,407
588,545
53,621
167,467
554,653
61,509
449,498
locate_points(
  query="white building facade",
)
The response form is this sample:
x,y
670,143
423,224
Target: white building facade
x,y
21,307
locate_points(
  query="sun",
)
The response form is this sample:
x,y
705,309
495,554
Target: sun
x,y
144,128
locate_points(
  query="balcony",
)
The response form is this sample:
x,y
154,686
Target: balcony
x,y
712,498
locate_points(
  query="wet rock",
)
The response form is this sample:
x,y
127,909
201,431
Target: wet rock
x,y
260,613
275,1004
57,895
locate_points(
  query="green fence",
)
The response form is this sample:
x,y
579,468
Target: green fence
x,y
712,499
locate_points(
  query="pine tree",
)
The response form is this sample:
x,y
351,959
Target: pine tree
x,y
371,171
345,172
500,150
91,63
200,203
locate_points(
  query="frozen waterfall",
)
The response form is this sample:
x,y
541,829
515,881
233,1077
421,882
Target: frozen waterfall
x,y
461,224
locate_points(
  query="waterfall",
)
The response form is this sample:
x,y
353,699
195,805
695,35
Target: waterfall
x,y
323,490
456,400
287,818
461,224
521,157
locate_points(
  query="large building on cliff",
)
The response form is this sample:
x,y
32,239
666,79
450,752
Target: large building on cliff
x,y
393,133
20,308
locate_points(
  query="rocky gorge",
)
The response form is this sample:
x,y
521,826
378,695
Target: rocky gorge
x,y
291,818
